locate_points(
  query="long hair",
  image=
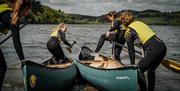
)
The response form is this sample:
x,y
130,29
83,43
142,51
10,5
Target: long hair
x,y
112,13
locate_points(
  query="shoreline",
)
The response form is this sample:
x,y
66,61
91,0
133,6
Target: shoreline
x,y
165,80
96,24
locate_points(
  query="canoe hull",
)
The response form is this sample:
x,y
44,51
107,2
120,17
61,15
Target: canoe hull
x,y
121,79
37,77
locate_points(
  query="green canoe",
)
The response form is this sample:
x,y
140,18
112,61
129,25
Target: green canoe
x,y
40,77
106,74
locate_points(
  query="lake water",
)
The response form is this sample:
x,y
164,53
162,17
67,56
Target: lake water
x,y
35,37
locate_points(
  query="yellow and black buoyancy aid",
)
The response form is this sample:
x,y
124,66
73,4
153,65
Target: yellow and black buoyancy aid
x,y
56,34
5,6
144,31
112,25
122,27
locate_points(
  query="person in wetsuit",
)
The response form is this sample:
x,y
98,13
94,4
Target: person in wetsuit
x,y
154,48
115,33
18,9
54,46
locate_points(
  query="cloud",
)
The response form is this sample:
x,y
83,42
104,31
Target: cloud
x,y
99,7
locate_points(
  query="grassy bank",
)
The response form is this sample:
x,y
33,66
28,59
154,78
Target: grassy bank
x,y
47,15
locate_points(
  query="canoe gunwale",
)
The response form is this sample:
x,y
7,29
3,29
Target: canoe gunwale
x,y
119,68
30,63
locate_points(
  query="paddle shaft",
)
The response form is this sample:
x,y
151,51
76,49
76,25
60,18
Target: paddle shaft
x,y
125,47
112,51
69,49
73,43
11,34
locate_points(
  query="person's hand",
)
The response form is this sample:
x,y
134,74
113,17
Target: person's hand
x,y
75,42
69,49
64,28
94,54
15,18
72,44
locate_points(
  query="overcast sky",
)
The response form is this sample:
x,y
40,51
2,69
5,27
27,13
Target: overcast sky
x,y
99,7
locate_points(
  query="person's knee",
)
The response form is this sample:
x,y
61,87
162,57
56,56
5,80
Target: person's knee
x,y
103,36
151,71
141,69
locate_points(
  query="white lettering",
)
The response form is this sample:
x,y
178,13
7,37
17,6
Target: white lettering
x,y
122,78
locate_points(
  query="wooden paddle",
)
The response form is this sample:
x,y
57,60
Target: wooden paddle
x,y
11,34
69,49
168,63
126,48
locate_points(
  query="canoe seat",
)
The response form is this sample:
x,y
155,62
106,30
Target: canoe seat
x,y
59,65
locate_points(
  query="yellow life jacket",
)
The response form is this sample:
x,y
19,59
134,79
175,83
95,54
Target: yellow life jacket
x,y
5,7
3,30
56,34
121,26
144,31
112,25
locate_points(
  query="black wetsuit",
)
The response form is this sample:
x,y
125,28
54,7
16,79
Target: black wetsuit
x,y
119,38
55,48
5,19
155,51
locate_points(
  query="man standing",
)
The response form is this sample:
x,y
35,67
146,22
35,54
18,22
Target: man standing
x,y
115,33
17,8
155,49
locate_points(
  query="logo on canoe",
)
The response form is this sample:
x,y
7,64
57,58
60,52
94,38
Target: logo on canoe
x,y
122,78
33,80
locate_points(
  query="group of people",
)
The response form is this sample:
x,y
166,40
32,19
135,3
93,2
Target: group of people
x,y
124,28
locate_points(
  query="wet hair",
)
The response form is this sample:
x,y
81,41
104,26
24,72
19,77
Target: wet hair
x,y
112,13
127,13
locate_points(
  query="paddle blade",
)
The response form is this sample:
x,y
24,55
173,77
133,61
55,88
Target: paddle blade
x,y
171,65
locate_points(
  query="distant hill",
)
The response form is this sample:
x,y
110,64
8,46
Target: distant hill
x,y
154,17
49,15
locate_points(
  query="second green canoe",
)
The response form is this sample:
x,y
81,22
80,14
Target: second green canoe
x,y
119,78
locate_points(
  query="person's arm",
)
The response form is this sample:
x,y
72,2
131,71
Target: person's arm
x,y
17,42
116,26
16,12
63,37
130,43
15,30
121,33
